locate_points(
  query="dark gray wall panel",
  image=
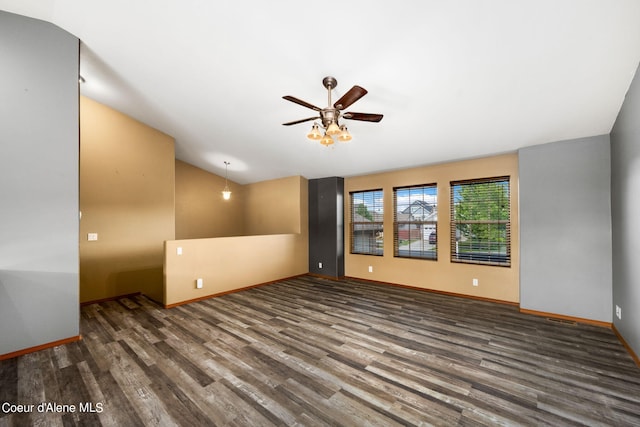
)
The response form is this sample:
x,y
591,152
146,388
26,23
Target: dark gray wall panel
x,y
39,147
326,226
565,228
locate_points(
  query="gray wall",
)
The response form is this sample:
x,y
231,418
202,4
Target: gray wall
x,y
565,228
39,140
625,207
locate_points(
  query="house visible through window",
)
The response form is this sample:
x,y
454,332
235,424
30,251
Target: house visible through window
x,y
415,219
480,221
367,213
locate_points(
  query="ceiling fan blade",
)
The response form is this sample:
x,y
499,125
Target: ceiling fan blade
x,y
300,121
301,102
350,97
365,117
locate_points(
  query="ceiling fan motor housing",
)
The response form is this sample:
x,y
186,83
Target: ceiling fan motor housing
x,y
329,115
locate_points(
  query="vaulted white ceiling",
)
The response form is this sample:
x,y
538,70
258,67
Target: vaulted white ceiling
x,y
454,79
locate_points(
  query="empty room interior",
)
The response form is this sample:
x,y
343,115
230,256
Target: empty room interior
x,y
345,213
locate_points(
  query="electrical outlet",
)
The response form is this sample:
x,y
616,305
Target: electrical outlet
x,y
371,269
179,250
199,283
475,282
92,237
618,312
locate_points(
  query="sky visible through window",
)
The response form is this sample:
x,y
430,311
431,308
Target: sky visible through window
x,y
406,196
373,200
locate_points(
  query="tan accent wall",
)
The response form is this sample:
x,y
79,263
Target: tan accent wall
x,y
499,283
272,207
127,175
230,263
201,212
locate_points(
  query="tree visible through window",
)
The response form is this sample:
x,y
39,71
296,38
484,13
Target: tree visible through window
x,y
415,221
367,213
480,221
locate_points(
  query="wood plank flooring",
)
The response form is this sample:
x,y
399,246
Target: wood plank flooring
x,y
315,352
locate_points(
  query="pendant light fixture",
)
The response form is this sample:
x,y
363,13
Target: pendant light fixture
x,y
226,193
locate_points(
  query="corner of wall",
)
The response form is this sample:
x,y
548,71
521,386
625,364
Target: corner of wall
x,y
127,199
39,227
625,205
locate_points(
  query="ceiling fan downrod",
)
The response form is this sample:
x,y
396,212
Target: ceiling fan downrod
x,y
329,83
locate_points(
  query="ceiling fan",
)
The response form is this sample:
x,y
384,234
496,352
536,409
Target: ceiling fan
x,y
330,115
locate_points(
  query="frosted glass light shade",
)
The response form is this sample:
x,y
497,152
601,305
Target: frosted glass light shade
x,y
226,193
326,141
333,129
314,133
344,136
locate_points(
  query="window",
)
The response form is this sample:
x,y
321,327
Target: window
x,y
480,221
366,222
415,219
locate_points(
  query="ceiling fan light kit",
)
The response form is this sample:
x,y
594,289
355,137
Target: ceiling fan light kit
x,y
330,116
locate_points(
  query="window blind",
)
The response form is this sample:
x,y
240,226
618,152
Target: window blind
x,y
415,220
366,227
481,221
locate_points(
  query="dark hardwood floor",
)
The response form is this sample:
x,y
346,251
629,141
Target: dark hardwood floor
x,y
309,351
